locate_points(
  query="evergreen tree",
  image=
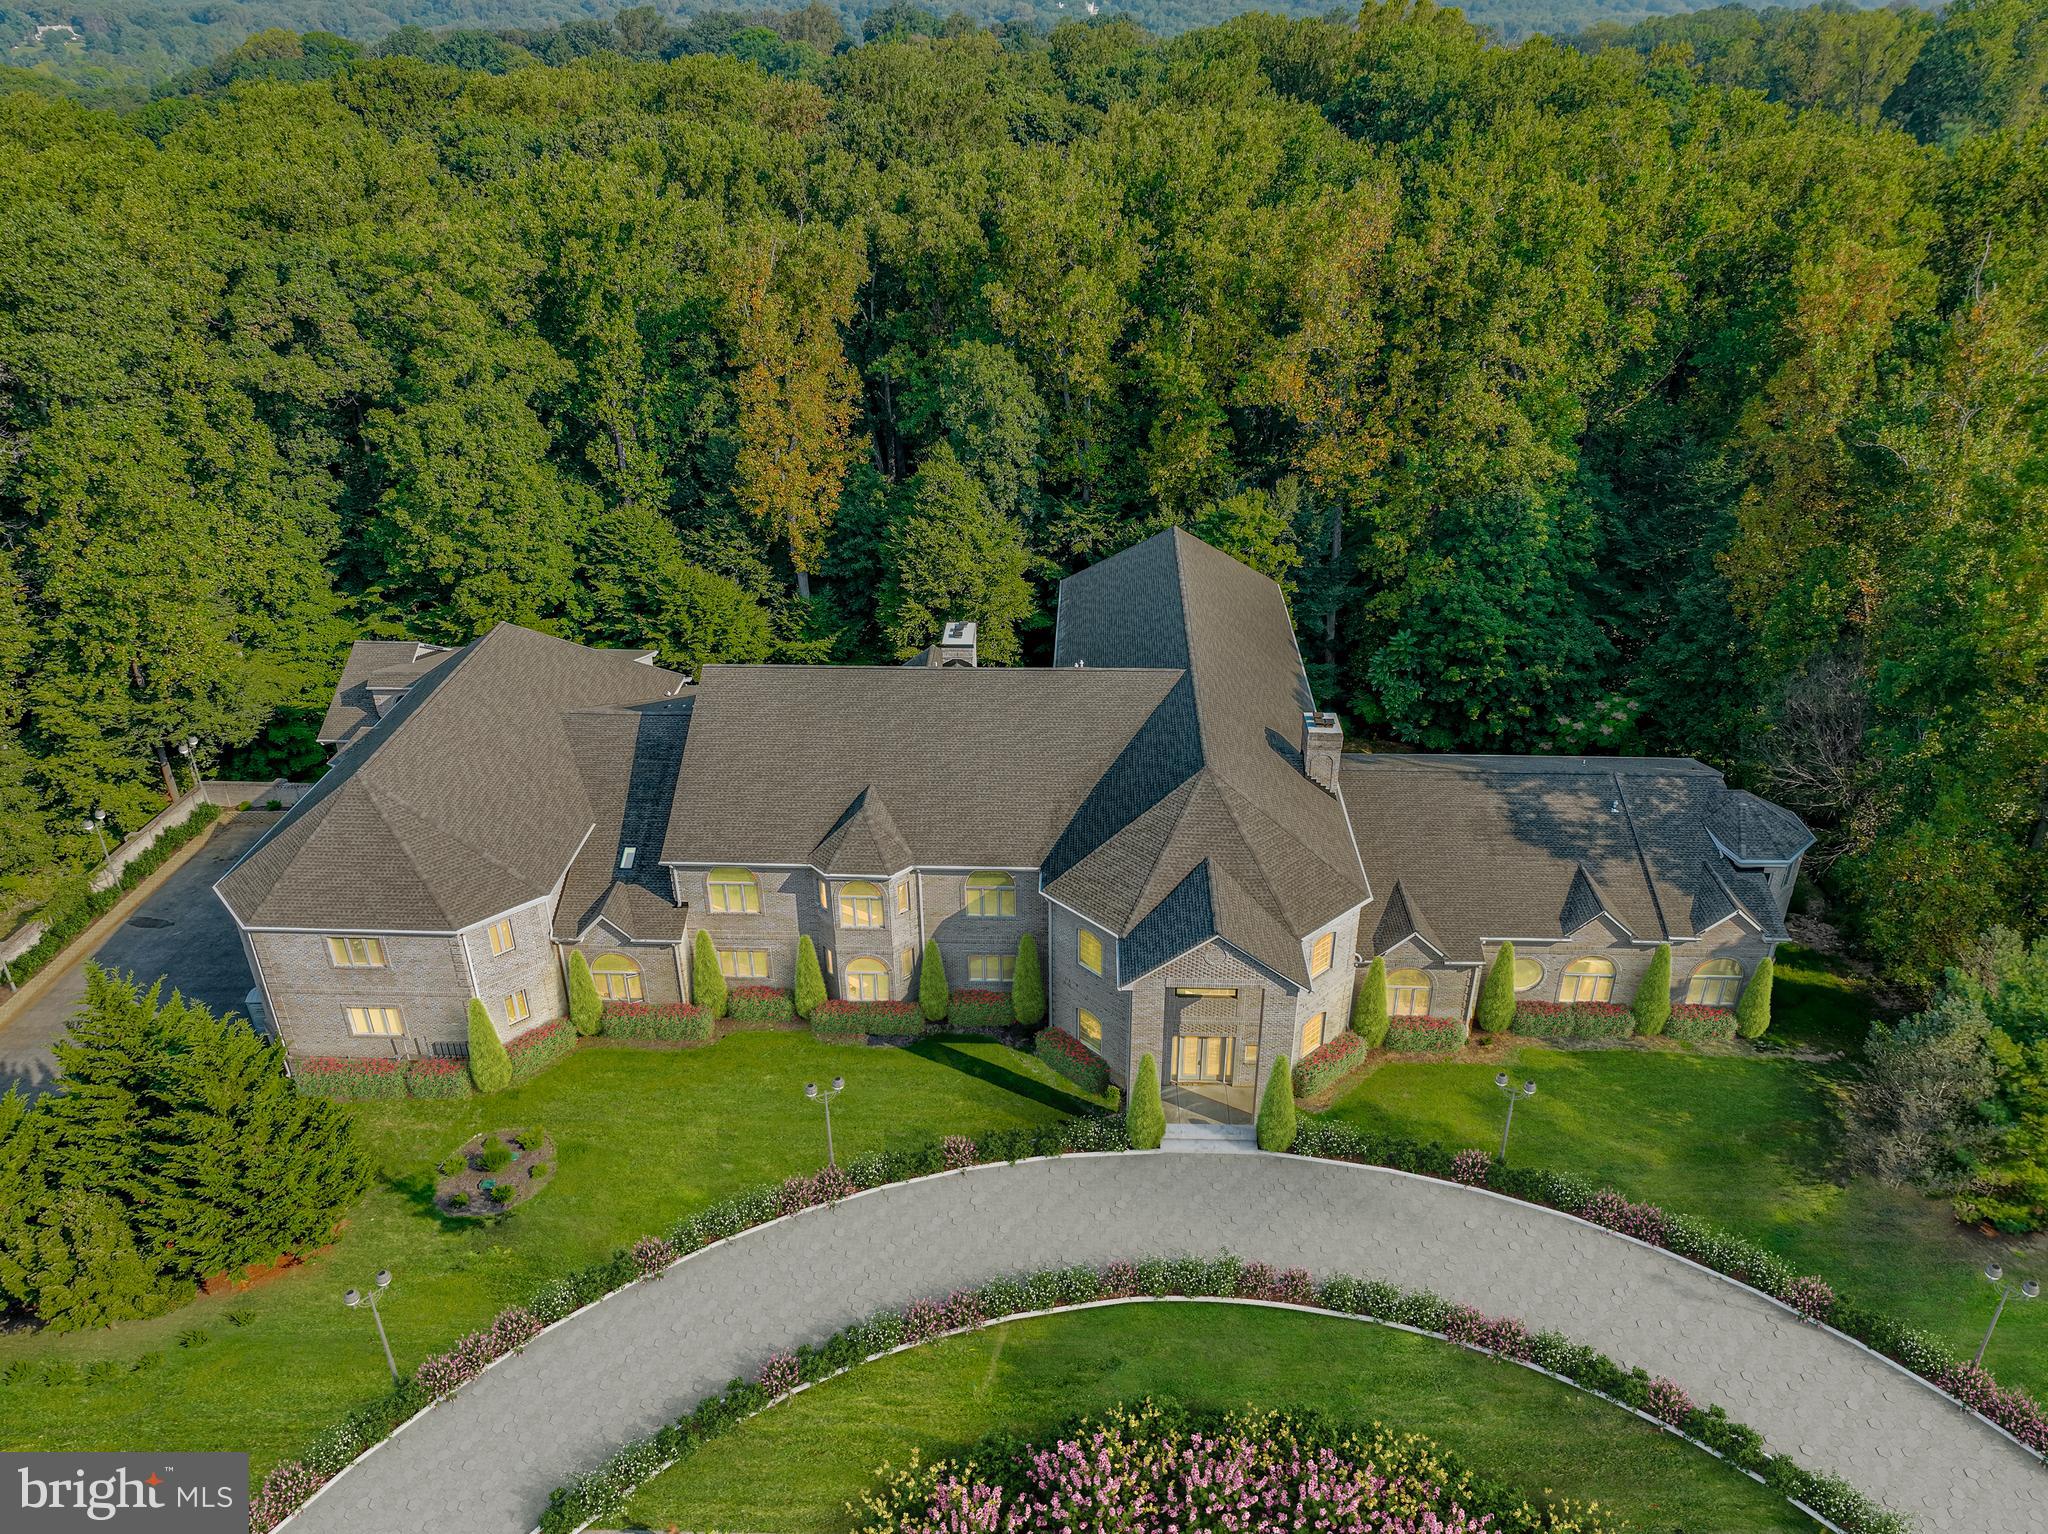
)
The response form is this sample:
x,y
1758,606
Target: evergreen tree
x,y
489,1066
1027,985
1369,1005
1652,1004
1276,1108
810,981
1144,1114
23,1197
707,980
1496,1013
112,1058
934,999
1753,1011
586,1007
89,1271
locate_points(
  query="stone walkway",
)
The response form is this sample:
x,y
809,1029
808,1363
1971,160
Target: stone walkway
x,y
484,1462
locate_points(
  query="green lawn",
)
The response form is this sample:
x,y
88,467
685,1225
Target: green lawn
x,y
643,1137
794,1469
1814,1005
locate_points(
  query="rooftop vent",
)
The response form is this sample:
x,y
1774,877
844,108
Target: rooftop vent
x,y
958,644
626,857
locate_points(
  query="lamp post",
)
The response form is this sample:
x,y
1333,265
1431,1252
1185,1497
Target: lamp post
x,y
189,750
1514,1095
96,825
2028,1290
811,1091
355,1297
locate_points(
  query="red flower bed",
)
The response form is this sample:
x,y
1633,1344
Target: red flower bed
x,y
538,1048
1325,1067
349,1080
759,1006
1437,1034
1574,1019
1073,1060
671,1022
853,1019
1694,1023
979,1011
438,1078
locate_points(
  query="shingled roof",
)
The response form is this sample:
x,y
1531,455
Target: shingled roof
x,y
375,666
628,757
1534,848
465,800
1215,777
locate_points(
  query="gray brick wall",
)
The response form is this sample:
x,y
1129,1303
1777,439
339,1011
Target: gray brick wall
x,y
943,895
788,897
659,979
1330,992
1264,1013
424,977
1069,988
530,965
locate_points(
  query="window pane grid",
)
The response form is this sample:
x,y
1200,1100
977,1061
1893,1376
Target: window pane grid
x,y
733,891
991,966
991,894
617,977
1322,955
355,952
375,1022
743,963
501,936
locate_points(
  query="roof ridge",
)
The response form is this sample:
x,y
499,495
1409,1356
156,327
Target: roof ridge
x,y
1642,858
378,792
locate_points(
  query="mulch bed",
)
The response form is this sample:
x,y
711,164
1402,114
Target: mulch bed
x,y
474,1183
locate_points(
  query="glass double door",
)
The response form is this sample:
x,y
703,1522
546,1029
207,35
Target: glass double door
x,y
1201,1058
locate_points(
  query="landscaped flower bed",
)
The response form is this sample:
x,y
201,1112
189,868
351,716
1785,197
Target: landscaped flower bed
x,y
1435,1035
759,1006
1157,1466
1698,1025
1072,1059
286,1488
1574,1019
346,1080
666,1022
850,1022
538,1048
494,1173
437,1078
601,1495
980,1012
1323,1068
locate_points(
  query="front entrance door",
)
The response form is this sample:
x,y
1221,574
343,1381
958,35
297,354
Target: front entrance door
x,y
1198,1057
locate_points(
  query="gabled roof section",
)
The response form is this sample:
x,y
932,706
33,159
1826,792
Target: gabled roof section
x,y
865,841
1755,832
628,757
374,668
466,800
1583,903
1401,919
1208,906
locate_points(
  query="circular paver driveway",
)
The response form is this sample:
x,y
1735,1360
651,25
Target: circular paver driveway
x,y
485,1461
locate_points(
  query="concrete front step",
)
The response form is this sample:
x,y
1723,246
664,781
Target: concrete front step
x,y
1211,1137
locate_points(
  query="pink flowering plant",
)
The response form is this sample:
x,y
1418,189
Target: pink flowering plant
x,y
1812,1297
780,1375
1667,1401
651,1254
1471,1167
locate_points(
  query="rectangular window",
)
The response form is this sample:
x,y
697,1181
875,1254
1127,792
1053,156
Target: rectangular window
x,y
516,1010
860,905
743,963
906,961
828,963
501,936
1312,1033
1091,1026
903,898
1213,992
733,891
375,1022
991,966
824,900
1251,1053
1090,947
355,952
1321,955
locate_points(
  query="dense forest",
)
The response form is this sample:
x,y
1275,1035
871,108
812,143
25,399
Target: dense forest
x,y
1580,402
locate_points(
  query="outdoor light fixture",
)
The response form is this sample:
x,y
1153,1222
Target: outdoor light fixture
x,y
354,1298
2028,1290
189,750
95,825
812,1093
1514,1095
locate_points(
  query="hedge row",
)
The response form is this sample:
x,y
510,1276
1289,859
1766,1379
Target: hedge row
x,y
842,1022
286,1488
669,1022
759,1006
1733,1256
1439,1035
1697,1025
1329,1065
601,1496
1073,1060
538,1048
1574,1019
980,1012
76,905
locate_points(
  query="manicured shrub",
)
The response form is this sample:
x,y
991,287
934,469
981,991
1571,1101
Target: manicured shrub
x,y
494,1155
538,1048
1369,1018
670,1022
1072,1059
1574,1019
810,982
1433,1035
1276,1108
438,1078
979,1012
1323,1068
848,1021
489,1066
586,1007
1027,985
1696,1024
352,1081
1496,1010
1145,1117
528,1139
537,1171
501,1193
707,982
932,995
458,1201
1753,1011
760,1006
1652,1005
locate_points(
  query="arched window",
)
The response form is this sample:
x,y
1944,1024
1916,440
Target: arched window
x,y
1528,975
1408,993
617,977
1714,983
734,890
860,904
991,894
866,980
1587,980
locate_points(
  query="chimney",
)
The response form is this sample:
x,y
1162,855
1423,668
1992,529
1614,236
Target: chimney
x,y
1322,748
956,644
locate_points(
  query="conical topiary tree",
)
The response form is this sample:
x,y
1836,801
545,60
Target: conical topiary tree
x,y
1144,1114
1369,1005
1652,1005
934,1000
1276,1109
1753,1012
1496,1011
586,1008
810,980
707,981
1027,985
489,1066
